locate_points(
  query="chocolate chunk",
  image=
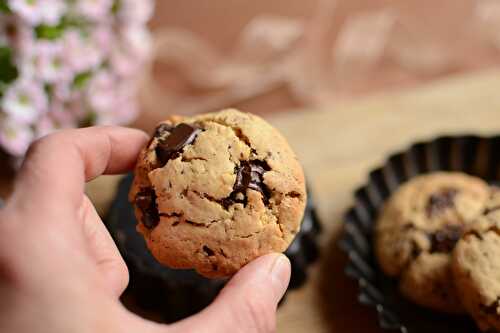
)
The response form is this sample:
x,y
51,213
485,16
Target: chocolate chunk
x,y
161,129
209,252
444,240
473,233
145,200
490,309
249,175
180,136
415,250
441,201
490,210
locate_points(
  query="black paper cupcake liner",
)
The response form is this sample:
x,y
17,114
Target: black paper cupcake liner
x,y
169,295
474,155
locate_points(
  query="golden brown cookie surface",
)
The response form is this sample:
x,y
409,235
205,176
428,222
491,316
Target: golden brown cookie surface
x,y
215,191
476,267
417,232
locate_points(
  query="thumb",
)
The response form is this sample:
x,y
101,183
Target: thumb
x,y
248,302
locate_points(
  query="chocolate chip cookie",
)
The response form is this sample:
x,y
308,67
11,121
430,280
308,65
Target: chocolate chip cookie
x,y
215,191
417,230
476,267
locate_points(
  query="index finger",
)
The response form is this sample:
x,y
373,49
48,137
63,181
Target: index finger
x,y
57,166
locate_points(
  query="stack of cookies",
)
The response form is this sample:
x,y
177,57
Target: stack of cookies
x,y
439,235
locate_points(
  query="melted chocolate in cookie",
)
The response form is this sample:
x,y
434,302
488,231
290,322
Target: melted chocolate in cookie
x,y
445,239
441,201
490,309
145,200
180,136
249,175
491,210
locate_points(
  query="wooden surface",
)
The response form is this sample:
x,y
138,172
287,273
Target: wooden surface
x,y
338,146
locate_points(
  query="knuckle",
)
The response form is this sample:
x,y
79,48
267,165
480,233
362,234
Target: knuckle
x,y
37,145
259,314
48,142
41,143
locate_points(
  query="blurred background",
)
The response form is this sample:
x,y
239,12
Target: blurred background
x,y
270,56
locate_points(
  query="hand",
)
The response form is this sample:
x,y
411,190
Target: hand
x,y
59,268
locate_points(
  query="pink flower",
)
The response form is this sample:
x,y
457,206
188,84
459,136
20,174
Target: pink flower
x,y
81,53
24,38
44,126
45,61
101,92
24,101
39,11
95,10
136,11
103,37
125,109
63,115
15,137
52,11
62,91
137,40
51,63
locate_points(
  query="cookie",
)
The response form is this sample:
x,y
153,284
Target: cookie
x,y
215,191
476,267
417,230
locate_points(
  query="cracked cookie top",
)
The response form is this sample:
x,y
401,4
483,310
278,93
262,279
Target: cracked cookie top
x,y
215,191
476,268
418,229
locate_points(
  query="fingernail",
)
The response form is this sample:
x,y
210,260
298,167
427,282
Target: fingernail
x,y
280,271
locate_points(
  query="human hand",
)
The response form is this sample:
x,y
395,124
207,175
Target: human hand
x,y
60,271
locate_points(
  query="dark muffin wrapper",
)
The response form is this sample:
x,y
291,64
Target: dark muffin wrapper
x,y
474,155
168,295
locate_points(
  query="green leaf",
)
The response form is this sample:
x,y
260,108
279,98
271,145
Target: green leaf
x,y
4,6
81,80
49,89
89,120
44,31
116,7
8,72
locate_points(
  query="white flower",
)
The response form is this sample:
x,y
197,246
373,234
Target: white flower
x,y
101,92
81,53
24,101
135,11
15,137
125,105
137,40
95,10
88,73
51,63
39,11
52,11
45,61
103,37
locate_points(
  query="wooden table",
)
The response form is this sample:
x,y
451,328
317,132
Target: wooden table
x,y
338,146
